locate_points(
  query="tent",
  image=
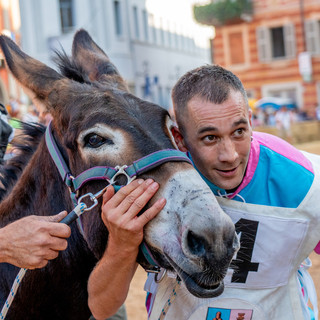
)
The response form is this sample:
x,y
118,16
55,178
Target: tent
x,y
275,103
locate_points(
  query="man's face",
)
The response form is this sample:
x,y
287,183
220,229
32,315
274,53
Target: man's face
x,y
218,137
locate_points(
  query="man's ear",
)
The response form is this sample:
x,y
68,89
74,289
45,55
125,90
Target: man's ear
x,y
250,117
178,138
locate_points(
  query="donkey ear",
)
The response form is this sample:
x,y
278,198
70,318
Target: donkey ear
x,y
93,60
36,78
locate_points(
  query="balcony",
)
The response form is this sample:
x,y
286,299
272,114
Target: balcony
x,y
224,12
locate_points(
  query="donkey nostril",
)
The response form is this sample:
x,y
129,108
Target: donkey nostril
x,y
196,244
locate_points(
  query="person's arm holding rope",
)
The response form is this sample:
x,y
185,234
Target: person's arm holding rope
x,y
32,241
109,282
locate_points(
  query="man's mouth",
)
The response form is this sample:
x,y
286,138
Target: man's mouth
x,y
227,172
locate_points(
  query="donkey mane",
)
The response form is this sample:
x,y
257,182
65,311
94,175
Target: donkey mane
x,y
24,145
69,68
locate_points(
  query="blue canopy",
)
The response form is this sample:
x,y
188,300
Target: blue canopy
x,y
275,103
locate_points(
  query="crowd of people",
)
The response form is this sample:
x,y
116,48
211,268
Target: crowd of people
x,y
281,118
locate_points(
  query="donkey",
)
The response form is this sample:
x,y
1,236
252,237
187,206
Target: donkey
x,y
99,125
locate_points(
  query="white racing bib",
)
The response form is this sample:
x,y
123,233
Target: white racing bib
x,y
264,242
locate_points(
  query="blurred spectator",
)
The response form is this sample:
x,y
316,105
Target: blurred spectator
x,y
272,118
13,108
295,116
261,119
283,122
6,132
31,115
318,112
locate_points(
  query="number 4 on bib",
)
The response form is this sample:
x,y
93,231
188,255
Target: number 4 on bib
x,y
242,265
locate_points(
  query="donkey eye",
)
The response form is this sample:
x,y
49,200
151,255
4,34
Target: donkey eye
x,y
94,141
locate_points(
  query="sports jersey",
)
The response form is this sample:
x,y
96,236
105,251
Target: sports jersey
x,y
276,214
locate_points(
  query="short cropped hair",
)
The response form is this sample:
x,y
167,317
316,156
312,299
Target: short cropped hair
x,y
211,82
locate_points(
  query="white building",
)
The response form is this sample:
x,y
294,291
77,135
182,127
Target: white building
x,y
151,42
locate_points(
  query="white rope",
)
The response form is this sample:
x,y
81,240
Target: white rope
x,y
12,293
226,195
309,292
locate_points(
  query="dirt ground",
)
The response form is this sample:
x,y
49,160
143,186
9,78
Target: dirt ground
x,y
135,301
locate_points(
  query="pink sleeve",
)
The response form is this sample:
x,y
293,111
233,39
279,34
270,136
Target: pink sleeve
x,y
317,248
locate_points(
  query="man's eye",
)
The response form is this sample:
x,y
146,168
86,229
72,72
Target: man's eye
x,y
239,132
94,141
210,138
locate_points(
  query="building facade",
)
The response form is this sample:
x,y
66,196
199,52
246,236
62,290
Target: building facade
x,y
276,52
10,26
150,45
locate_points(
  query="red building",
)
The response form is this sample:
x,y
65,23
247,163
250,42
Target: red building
x,y
274,49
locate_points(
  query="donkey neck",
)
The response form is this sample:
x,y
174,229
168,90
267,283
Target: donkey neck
x,y
39,190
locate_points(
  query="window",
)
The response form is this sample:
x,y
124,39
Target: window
x,y
287,90
117,17
136,22
66,15
153,28
277,38
236,48
161,32
145,25
276,43
312,36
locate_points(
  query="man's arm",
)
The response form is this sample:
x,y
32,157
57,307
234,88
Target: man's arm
x,y
109,282
34,240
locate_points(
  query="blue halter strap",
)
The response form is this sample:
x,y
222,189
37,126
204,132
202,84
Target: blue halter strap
x,y
109,174
138,167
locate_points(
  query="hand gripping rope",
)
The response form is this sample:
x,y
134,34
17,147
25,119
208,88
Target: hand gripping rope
x,y
71,216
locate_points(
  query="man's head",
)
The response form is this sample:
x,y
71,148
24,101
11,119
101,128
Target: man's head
x,y
214,120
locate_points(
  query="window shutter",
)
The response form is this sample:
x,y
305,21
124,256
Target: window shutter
x,y
290,41
263,44
312,36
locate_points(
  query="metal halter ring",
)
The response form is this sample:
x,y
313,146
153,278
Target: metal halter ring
x,y
92,198
121,171
162,273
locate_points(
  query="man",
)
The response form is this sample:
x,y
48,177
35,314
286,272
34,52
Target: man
x,y
284,119
268,188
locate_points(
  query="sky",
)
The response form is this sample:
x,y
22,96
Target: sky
x,y
180,14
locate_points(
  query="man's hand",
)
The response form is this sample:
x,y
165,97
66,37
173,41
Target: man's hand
x,y
109,281
31,241
120,213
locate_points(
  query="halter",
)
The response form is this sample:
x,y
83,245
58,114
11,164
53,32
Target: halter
x,y
110,174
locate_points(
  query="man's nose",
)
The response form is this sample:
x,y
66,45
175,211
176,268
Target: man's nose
x,y
227,151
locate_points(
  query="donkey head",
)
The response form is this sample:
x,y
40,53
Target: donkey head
x,y
97,122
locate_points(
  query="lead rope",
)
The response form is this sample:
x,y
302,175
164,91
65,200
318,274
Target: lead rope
x,y
12,293
169,302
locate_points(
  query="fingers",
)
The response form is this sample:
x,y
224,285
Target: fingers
x,y
58,229
139,197
58,217
59,244
151,212
124,192
42,261
108,195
